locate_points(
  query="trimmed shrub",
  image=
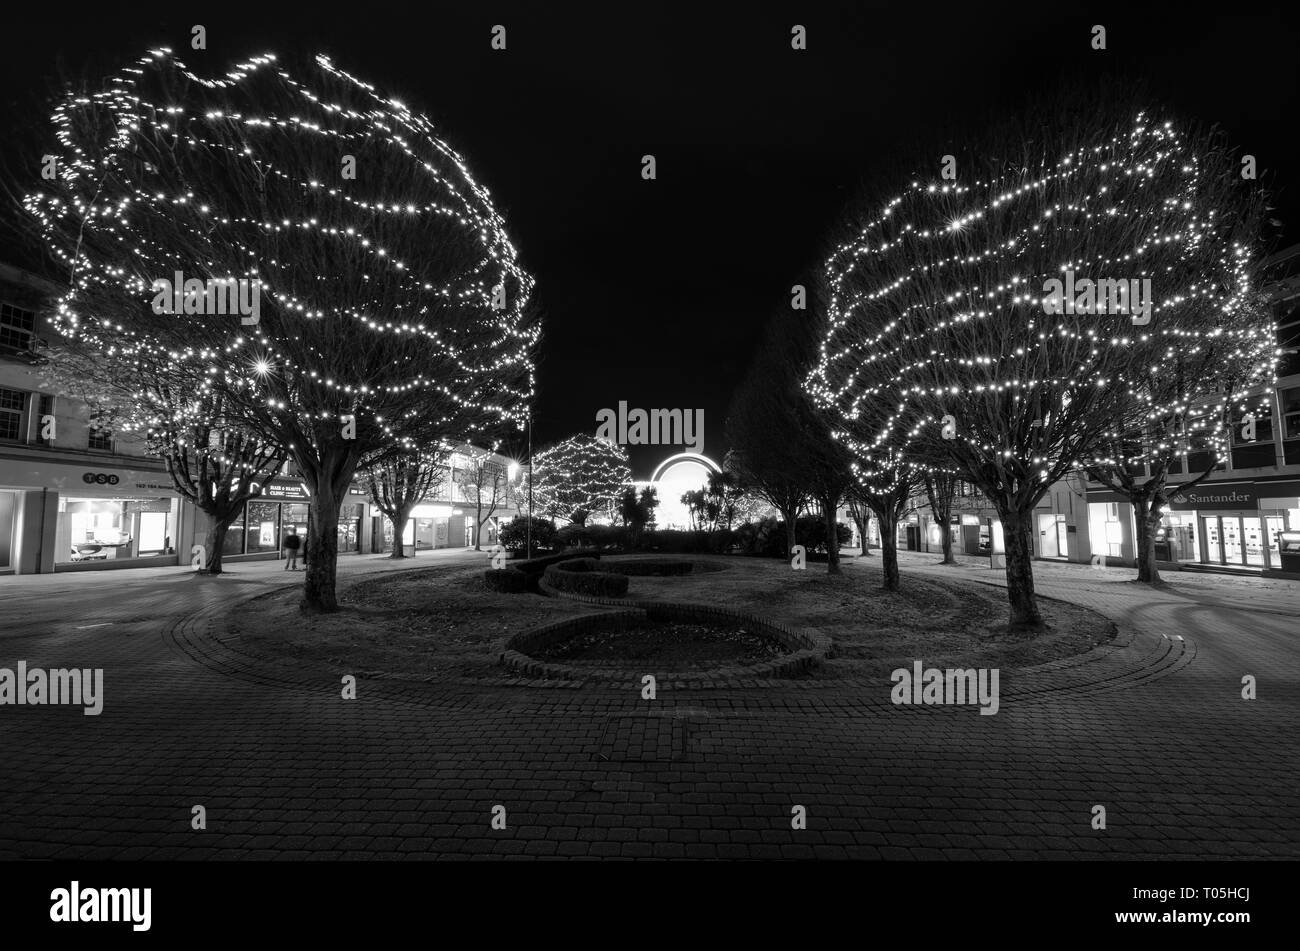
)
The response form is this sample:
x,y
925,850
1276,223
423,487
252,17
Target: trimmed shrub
x,y
767,536
660,567
810,531
506,580
688,543
754,538
591,536
721,542
514,533
532,568
672,540
582,576
608,536
535,566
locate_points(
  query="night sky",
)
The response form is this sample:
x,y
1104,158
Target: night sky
x,y
656,292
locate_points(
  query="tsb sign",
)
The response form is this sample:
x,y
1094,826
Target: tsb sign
x,y
99,478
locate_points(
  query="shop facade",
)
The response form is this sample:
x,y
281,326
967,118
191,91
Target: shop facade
x,y
1226,524
69,517
65,517
284,506
59,516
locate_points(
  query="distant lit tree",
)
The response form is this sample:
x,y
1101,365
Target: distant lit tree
x,y
578,476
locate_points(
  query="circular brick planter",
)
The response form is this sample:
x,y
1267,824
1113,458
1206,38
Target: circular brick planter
x,y
807,648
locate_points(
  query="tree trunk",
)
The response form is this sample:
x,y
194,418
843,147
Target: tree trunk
x,y
889,549
1016,534
832,542
948,558
399,531
1146,522
214,538
478,526
862,533
322,549
789,532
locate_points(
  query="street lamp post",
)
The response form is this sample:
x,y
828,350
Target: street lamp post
x,y
528,531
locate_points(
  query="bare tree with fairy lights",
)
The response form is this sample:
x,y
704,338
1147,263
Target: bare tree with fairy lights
x,y
1211,393
381,303
1000,324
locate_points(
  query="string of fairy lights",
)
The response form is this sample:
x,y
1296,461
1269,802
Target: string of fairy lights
x,y
581,472
165,171
934,307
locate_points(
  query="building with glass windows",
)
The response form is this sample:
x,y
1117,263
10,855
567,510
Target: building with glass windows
x,y
73,497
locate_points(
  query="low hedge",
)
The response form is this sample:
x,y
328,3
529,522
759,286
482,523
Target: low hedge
x,y
659,567
506,580
582,576
534,567
591,536
718,542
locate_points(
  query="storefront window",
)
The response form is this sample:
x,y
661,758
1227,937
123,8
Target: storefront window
x,y
1179,530
109,529
262,532
1105,530
294,516
8,507
350,527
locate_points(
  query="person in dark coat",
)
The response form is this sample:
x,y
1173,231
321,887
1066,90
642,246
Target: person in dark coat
x,y
292,542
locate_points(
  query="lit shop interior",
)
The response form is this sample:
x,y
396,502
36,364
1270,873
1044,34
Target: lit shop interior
x,y
8,522
433,525
112,529
262,527
1228,538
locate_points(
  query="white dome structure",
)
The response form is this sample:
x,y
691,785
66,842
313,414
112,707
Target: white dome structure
x,y
675,476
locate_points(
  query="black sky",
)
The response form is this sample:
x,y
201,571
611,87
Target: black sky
x,y
655,292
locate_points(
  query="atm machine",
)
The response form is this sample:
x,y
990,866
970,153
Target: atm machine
x,y
1289,548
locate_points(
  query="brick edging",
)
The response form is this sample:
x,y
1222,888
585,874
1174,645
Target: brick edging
x,y
809,646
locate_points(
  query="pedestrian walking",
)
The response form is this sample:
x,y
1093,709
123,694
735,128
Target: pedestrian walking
x,y
292,542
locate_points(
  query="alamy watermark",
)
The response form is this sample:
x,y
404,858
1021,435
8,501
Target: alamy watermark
x,y
77,904
1103,296
37,687
933,686
227,295
657,427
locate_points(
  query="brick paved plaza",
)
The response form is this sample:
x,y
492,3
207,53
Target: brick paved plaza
x,y
1152,726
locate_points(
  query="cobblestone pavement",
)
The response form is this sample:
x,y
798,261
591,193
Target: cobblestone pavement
x,y
1153,727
